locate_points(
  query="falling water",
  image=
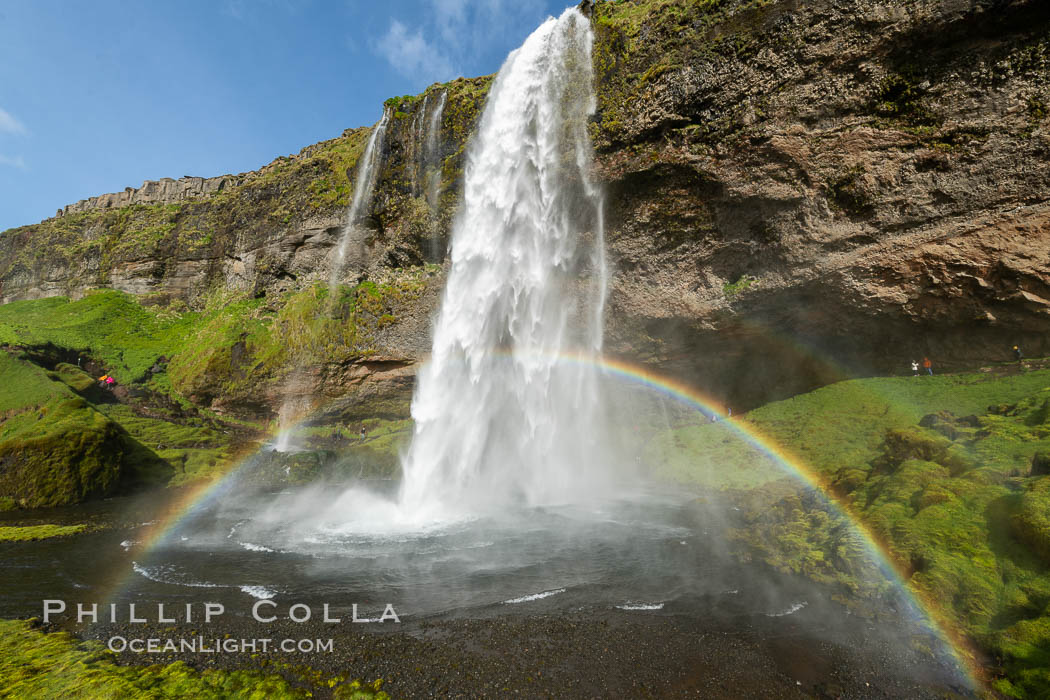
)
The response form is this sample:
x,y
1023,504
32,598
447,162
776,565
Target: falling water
x,y
366,179
432,173
296,402
500,421
431,152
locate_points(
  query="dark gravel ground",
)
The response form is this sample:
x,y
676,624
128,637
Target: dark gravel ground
x,y
606,654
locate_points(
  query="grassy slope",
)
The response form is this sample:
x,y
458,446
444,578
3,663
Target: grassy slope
x,y
125,336
55,447
37,665
236,349
961,513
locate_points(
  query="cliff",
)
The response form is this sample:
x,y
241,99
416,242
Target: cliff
x,y
795,192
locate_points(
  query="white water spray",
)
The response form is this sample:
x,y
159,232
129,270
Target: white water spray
x,y
501,420
367,171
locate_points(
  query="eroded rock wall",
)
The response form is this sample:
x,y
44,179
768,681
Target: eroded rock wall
x,y
795,191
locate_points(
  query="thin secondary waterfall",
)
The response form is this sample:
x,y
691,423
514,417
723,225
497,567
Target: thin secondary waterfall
x,y
501,418
367,172
432,166
431,153
295,403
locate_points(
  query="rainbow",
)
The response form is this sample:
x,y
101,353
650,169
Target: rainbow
x,y
944,629
196,497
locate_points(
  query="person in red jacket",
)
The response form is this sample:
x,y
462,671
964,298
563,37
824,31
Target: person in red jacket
x,y
928,365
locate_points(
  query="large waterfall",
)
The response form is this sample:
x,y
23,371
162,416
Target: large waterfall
x,y
506,411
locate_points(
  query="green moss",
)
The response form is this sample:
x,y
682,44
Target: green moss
x,y
72,376
240,346
67,452
1031,523
56,448
900,97
686,455
638,42
38,532
953,503
108,325
194,447
37,665
742,284
25,385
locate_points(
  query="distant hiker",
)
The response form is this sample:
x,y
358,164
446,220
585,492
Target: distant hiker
x,y
102,379
110,381
928,365
1017,354
362,433
914,368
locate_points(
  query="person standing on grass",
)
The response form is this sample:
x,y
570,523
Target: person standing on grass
x,y
1017,354
928,365
914,368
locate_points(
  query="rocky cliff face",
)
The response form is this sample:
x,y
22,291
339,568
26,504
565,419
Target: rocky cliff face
x,y
802,188
795,190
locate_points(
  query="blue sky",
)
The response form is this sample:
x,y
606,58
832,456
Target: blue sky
x,y
98,96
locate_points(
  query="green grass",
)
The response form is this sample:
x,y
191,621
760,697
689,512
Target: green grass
x,y
953,502
56,447
307,327
55,665
194,448
235,351
109,325
38,532
25,384
202,346
711,456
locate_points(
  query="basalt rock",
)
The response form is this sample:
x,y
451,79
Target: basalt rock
x,y
795,192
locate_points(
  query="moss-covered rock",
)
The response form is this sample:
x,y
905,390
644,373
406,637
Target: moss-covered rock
x,y
57,449
56,665
29,533
1040,464
1031,524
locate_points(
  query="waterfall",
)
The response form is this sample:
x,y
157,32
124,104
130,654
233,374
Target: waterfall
x,y
432,165
367,172
295,403
502,418
431,153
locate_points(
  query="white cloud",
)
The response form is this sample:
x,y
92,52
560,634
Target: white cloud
x,y
474,27
15,162
412,55
9,124
459,33
451,16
